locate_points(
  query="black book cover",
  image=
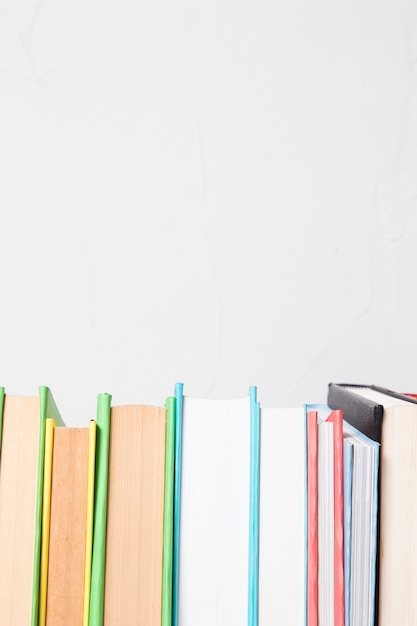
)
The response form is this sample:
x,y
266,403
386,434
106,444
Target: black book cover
x,y
363,414
366,416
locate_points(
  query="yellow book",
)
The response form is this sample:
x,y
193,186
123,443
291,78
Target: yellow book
x,y
90,517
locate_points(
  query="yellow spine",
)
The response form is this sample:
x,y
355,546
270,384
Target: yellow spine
x,y
46,518
90,517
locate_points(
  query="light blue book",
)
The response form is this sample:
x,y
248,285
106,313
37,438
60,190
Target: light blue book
x,y
361,554
216,511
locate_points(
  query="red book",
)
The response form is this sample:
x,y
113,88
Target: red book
x,y
312,520
339,588
315,415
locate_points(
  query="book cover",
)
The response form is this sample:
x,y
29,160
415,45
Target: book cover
x,y
363,414
215,521
21,495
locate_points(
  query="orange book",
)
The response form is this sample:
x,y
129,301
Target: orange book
x,y
69,540
21,488
135,516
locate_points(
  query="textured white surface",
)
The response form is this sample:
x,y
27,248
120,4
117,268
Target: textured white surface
x,y
218,193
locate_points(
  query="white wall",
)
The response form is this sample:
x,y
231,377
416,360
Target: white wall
x,y
220,193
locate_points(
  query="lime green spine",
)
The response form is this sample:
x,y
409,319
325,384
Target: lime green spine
x,y
100,511
47,409
168,514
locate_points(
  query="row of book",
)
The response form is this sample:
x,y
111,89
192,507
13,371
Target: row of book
x,y
208,511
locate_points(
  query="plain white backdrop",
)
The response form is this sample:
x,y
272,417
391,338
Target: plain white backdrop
x,y
218,193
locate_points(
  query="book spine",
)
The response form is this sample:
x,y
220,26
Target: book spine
x,y
177,498
100,511
47,409
92,439
347,525
253,574
339,599
46,518
168,514
312,524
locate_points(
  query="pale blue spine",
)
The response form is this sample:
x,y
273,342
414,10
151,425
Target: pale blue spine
x,y
253,578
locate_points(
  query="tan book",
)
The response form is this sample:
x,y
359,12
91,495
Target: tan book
x,y
21,481
135,516
69,540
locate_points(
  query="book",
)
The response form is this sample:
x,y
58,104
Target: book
x,y
46,518
326,604
91,474
326,525
96,608
347,521
21,491
216,511
167,558
389,418
282,517
70,536
312,519
361,499
135,516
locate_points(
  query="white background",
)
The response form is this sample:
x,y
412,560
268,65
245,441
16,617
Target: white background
x,y
219,193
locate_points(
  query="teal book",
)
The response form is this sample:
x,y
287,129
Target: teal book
x,y
23,426
167,558
216,511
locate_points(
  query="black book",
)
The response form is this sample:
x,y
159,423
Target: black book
x,y
390,418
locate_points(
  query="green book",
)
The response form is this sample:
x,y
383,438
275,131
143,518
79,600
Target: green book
x,y
168,514
48,409
100,511
22,428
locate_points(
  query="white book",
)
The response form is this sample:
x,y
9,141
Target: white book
x,y
212,528
282,517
